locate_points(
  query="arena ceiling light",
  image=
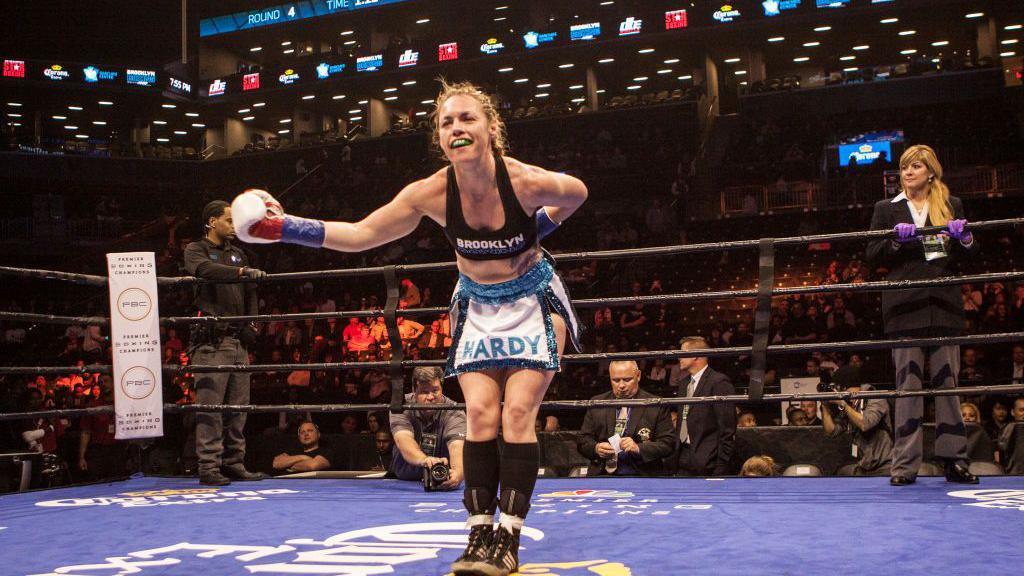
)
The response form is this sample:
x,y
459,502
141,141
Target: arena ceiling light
x,y
566,65
168,106
520,80
14,103
1012,27
255,48
731,60
355,111
907,32
82,136
248,118
740,72
665,71
671,61
14,115
283,131
105,103
776,38
634,87
198,125
60,117
163,139
159,122
99,122
640,79
76,108
350,42
607,2
309,96
645,51
286,43
801,59
541,95
387,90
822,28
363,102
391,98
506,69
259,105
601,91
285,121
338,97
852,69
909,51
847,58
543,85
409,83
69,127
576,87
811,44
244,110
288,51
355,118
1007,54
426,101
180,132
500,8
606,60
192,114
423,20
940,43
421,113
861,47
972,15
347,32
1009,41
500,18
578,100
889,20
684,77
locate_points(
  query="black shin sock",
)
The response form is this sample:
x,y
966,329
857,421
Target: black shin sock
x,y
519,463
480,464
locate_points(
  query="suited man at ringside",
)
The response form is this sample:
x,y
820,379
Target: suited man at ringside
x,y
706,432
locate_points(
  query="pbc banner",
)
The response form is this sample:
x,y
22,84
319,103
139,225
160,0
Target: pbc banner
x,y
135,342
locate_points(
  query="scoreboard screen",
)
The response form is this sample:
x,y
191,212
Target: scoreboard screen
x,y
283,13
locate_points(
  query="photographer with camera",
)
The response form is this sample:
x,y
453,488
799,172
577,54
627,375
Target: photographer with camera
x,y
220,439
428,443
866,421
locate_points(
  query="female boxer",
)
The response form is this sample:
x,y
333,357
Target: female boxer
x,y
510,312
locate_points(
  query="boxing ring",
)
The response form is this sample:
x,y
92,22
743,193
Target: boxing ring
x,y
604,526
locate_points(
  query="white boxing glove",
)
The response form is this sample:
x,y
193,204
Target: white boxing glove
x,y
259,219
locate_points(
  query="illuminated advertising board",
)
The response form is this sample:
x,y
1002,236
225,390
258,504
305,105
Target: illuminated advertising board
x,y
179,86
675,20
289,76
283,14
93,74
776,7
449,51
370,63
140,77
535,39
325,70
587,31
630,26
56,72
251,81
492,46
14,68
727,13
217,87
408,58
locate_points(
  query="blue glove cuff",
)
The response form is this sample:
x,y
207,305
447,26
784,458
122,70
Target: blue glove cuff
x,y
545,225
303,231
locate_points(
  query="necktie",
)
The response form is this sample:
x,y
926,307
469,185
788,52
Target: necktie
x,y
684,435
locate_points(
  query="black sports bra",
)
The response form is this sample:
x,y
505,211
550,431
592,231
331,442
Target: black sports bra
x,y
518,234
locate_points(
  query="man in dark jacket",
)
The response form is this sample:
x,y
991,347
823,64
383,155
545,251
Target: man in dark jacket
x,y
643,433
707,432
220,439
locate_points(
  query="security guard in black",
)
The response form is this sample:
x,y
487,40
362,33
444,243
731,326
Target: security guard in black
x,y
220,439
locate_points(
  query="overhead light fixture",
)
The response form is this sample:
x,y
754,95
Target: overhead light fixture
x,y
801,59
776,38
99,122
354,118
192,114
286,43
500,8
289,51
566,65
500,18
889,20
199,125
337,97
391,98
355,111
645,50
159,122
244,111
77,108
408,83
309,96
940,43
423,20
521,80
607,2
601,91
853,69
14,115
60,117
255,48
1012,27
506,69
1009,41
741,72
259,105
576,87
606,60
163,139
665,71
168,106
347,32
974,15
811,44
364,102
386,90
541,95
731,60
81,136
862,47
105,103
1007,54
634,87
283,131
907,32
684,77
908,51
248,118
847,58
822,28
14,103
543,85
640,79
285,121
578,100
180,132
421,113
71,127
426,101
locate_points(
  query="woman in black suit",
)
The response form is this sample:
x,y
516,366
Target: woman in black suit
x,y
925,312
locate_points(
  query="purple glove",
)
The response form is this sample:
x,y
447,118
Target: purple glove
x,y
957,232
905,233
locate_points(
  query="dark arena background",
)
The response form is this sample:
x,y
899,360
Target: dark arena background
x,y
738,159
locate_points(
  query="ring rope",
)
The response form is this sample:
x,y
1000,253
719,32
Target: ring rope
x,y
1002,389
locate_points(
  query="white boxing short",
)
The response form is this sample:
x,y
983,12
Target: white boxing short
x,y
508,324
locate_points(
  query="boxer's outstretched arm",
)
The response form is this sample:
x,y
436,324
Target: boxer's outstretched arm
x,y
394,220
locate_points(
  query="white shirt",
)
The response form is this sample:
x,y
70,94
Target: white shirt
x,y
694,380
920,218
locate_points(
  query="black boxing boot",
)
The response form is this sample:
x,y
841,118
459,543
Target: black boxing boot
x,y
481,504
503,556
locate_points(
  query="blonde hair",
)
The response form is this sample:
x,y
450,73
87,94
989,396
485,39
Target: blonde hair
x,y
762,465
499,144
940,212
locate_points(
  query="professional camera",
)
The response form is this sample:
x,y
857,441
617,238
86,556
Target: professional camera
x,y
825,383
435,475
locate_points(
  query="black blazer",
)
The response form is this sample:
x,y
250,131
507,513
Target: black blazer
x,y
599,424
922,311
711,427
